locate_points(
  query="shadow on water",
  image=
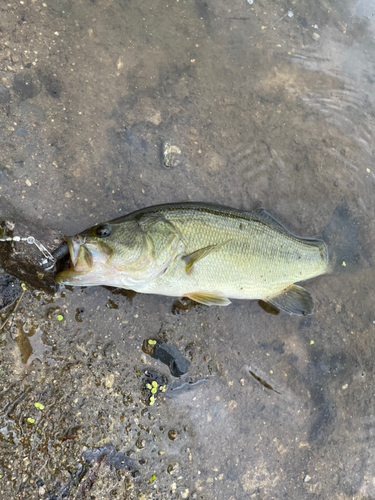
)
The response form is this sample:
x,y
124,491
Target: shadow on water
x,y
269,105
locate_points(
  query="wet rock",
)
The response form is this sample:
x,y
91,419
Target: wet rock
x,y
171,155
109,381
10,290
172,434
26,85
25,261
4,96
172,467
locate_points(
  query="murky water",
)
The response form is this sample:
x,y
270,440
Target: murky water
x,y
271,104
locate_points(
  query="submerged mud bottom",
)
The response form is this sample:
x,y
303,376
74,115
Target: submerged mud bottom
x,y
97,461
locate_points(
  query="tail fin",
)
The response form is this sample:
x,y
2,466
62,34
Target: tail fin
x,y
341,235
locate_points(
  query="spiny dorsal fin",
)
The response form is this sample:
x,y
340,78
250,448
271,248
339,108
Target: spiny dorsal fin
x,y
209,299
293,300
192,258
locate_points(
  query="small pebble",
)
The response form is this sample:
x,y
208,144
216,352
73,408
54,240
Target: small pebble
x,y
232,405
171,155
172,434
172,467
108,381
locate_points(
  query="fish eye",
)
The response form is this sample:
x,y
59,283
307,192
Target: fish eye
x,y
103,231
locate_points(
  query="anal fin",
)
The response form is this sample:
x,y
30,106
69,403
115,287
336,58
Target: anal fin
x,y
209,299
293,300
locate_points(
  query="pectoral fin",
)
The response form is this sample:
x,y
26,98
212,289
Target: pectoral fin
x,y
192,258
293,300
209,299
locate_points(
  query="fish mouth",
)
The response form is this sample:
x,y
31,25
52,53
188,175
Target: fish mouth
x,y
86,260
81,257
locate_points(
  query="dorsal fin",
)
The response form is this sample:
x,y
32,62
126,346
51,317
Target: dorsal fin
x,y
261,215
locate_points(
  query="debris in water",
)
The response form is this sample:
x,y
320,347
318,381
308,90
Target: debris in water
x,y
155,383
267,386
169,355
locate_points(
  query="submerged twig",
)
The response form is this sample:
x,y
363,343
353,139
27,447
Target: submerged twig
x,y
14,310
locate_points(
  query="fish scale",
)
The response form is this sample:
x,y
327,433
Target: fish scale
x,y
247,260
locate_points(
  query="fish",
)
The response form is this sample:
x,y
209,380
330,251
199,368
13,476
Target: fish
x,y
208,253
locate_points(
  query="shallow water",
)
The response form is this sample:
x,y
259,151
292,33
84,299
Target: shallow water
x,y
268,109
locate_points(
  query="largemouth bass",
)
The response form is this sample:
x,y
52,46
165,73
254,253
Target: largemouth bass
x,y
205,252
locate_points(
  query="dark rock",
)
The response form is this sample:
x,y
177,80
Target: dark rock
x,y
26,85
10,290
53,86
